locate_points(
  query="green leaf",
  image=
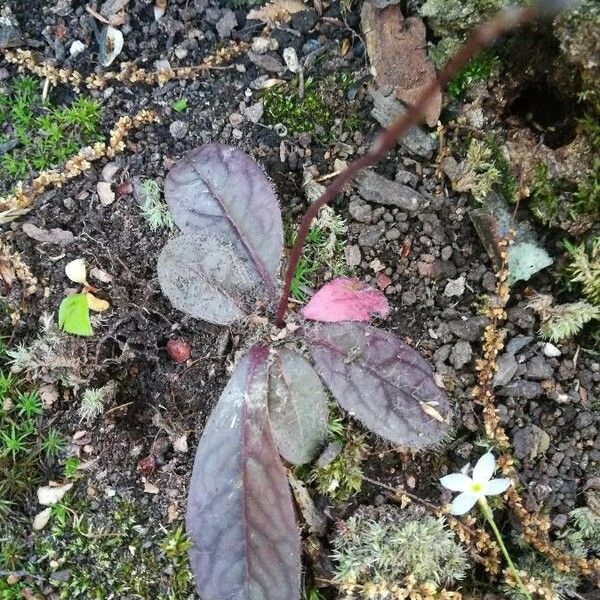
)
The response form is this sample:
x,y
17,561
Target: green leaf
x,y
74,315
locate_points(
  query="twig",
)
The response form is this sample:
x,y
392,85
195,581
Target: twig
x,y
484,35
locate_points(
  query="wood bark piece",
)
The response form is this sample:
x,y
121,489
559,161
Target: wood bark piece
x,y
397,52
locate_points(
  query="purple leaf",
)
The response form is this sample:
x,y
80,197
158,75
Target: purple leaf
x,y
207,279
222,192
346,299
297,407
381,381
240,515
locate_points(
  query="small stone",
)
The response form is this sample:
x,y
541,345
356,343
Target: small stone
x,y
550,350
455,287
446,253
538,369
226,23
353,256
518,343
469,329
376,188
559,521
254,112
392,234
522,388
521,317
181,52
461,354
10,33
77,47
506,368
262,45
291,60
305,20
408,298
370,235
236,119
267,62
178,129
530,441
360,212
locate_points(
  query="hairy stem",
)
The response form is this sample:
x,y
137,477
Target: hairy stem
x,y
489,517
482,36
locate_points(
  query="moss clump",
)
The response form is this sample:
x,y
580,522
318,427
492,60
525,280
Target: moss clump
x,y
451,20
381,547
42,135
323,254
485,169
482,67
89,555
322,111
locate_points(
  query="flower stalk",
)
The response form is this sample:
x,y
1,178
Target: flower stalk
x,y
486,511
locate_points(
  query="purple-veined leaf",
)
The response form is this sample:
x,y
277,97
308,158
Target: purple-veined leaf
x,y
207,279
381,381
297,407
240,515
222,192
346,299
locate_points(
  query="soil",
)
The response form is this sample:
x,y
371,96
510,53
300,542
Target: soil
x,y
158,399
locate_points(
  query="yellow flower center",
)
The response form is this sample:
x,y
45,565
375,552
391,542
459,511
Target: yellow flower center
x,y
476,487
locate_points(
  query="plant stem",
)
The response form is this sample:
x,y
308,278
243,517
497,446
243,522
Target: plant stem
x,y
489,516
482,36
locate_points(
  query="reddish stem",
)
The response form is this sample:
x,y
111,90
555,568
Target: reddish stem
x,y
483,35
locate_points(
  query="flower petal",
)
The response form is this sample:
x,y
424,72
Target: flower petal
x,y
484,469
463,503
457,482
496,486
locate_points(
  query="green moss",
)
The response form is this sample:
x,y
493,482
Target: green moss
x,y
482,67
323,255
380,547
85,555
308,114
341,478
322,111
45,135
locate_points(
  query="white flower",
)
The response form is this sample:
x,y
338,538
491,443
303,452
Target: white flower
x,y
476,487
76,271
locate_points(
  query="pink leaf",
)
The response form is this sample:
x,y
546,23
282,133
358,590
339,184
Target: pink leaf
x,y
346,299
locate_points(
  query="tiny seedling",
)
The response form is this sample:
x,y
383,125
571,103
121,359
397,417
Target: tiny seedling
x,y
179,105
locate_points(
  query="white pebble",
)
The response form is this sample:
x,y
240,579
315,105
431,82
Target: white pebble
x,y
550,350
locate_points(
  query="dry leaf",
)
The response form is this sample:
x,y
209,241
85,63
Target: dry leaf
x,y
50,236
96,304
314,519
41,519
432,412
105,193
397,53
49,495
277,12
100,275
